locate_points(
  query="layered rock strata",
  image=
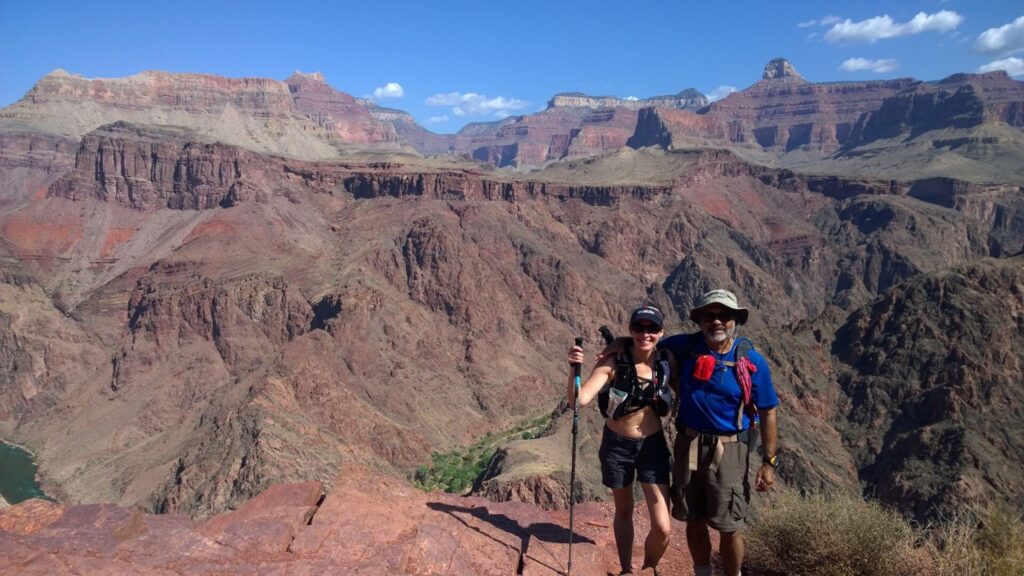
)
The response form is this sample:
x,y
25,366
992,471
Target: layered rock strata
x,y
689,99
342,116
255,113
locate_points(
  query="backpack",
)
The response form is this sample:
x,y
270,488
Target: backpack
x,y
743,367
624,395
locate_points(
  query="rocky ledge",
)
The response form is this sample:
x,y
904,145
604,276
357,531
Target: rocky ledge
x,y
368,524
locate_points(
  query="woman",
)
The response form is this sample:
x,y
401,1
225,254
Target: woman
x,y
633,445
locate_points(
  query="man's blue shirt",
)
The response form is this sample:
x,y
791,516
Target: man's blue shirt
x,y
713,406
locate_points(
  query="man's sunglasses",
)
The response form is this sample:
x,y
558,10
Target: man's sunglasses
x,y
644,328
725,316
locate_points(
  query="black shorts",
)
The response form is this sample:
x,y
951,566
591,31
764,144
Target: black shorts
x,y
623,459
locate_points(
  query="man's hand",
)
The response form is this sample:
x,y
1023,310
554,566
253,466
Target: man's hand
x,y
765,477
769,445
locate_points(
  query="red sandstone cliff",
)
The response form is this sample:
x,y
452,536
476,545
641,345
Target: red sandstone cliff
x,y
341,115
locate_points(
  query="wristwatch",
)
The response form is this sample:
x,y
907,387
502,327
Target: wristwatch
x,y
772,461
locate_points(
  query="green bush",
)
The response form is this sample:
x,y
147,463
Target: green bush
x,y
456,471
834,536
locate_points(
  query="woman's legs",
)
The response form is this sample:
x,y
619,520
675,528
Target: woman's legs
x,y
623,526
661,526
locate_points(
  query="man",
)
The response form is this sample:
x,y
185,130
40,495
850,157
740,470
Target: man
x,y
710,485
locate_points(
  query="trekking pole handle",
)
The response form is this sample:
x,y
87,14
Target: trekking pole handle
x,y
579,342
606,334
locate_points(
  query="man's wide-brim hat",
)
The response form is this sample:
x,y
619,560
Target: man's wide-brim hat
x,y
722,298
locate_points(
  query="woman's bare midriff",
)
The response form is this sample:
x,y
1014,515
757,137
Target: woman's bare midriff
x,y
639,424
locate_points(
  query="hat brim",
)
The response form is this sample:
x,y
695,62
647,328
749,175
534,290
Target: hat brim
x,y
742,314
649,317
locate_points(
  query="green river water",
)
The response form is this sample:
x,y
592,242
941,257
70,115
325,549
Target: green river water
x,y
17,475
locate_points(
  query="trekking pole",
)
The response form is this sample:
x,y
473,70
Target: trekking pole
x,y
575,430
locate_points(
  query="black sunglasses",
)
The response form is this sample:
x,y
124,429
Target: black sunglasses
x,y
724,316
645,328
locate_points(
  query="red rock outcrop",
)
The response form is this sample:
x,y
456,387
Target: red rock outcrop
x,y
143,168
966,126
341,115
409,132
958,102
558,132
367,524
574,125
780,113
30,162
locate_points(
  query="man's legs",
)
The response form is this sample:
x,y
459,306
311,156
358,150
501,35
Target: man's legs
x,y
732,552
661,527
698,540
689,503
623,526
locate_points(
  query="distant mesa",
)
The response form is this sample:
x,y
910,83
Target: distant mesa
x,y
780,68
689,99
318,76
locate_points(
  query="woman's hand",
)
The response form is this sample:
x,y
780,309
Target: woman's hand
x,y
575,355
592,385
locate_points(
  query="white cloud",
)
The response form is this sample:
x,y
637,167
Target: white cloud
x,y
1006,39
858,64
826,21
720,92
631,98
473,104
882,27
437,119
1013,66
389,90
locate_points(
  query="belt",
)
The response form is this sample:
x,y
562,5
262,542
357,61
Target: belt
x,y
718,442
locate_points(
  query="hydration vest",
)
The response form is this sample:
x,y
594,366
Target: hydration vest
x,y
626,394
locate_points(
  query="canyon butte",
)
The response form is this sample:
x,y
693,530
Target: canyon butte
x,y
214,287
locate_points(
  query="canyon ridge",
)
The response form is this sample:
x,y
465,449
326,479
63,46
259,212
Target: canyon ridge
x,y
210,286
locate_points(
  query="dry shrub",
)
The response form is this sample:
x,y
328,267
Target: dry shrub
x,y
834,536
990,545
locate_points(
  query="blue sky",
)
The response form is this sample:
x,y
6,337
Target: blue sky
x,y
451,62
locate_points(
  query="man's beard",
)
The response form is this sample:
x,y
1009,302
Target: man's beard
x,y
719,336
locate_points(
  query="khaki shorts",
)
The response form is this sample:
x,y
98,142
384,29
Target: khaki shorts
x,y
720,498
